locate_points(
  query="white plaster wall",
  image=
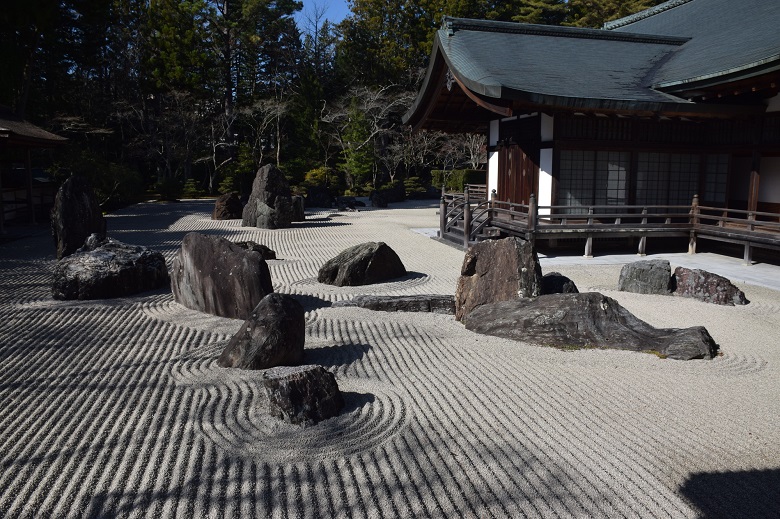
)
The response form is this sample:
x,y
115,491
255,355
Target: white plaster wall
x,y
547,128
545,179
769,184
773,104
492,183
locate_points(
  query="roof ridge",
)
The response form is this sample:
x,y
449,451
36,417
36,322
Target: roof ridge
x,y
641,15
451,25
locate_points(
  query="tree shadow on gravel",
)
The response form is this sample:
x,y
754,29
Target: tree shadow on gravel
x,y
751,493
336,355
310,303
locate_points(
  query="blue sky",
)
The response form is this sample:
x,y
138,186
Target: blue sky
x,y
337,10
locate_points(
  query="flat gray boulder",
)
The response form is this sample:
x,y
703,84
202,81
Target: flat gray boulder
x,y
213,275
364,264
302,394
274,335
587,320
646,277
270,205
435,303
75,215
497,270
708,287
107,268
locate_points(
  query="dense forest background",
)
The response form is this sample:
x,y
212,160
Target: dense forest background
x,y
190,97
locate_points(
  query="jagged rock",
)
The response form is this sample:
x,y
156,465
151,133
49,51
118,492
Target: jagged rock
x,y
228,207
364,264
646,277
107,268
75,215
708,287
378,200
273,335
318,197
557,283
264,251
588,320
439,304
302,394
346,203
298,209
270,204
497,270
213,275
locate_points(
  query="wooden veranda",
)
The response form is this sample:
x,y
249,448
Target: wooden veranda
x,y
466,219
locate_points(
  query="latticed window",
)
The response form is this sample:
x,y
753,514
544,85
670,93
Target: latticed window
x,y
667,178
716,179
593,178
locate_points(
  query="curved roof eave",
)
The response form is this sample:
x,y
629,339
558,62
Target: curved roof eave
x,y
757,68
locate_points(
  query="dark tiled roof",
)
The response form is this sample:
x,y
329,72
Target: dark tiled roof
x,y
726,37
19,130
505,60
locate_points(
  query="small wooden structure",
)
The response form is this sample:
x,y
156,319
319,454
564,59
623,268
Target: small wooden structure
x,y
17,138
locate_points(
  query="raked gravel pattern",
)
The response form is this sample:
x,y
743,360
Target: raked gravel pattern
x,y
117,408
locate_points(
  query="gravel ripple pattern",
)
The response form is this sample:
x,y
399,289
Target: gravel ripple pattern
x,y
117,408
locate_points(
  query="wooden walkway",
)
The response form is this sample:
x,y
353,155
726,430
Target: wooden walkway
x,y
465,220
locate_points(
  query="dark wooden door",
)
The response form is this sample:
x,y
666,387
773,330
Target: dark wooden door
x,y
517,174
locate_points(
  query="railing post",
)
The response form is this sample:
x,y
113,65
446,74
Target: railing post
x,y
694,224
442,216
466,218
533,210
643,240
493,196
589,239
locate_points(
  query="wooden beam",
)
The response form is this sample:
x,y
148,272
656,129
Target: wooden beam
x,y
500,110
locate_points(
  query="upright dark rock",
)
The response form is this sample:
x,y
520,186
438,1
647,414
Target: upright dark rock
x,y
298,208
364,264
708,287
270,204
76,214
213,275
589,320
108,268
497,270
274,335
318,197
228,207
646,277
302,394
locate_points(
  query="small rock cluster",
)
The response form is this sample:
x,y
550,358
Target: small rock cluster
x,y
655,277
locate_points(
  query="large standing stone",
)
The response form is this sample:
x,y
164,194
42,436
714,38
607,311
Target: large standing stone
x,y
557,283
302,394
108,268
497,270
274,335
227,207
298,209
364,264
213,275
270,204
76,214
589,320
646,277
708,287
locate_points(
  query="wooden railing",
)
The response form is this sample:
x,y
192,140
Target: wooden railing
x,y
466,220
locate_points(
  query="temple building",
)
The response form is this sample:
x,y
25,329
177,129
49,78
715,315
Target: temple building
x,y
675,101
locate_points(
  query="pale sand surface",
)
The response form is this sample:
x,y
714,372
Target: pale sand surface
x,y
117,408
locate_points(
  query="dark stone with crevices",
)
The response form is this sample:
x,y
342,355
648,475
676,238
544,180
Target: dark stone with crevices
x,y
266,252
708,287
587,320
107,268
557,283
439,304
497,270
646,277
213,275
274,335
75,215
227,207
302,394
270,203
364,264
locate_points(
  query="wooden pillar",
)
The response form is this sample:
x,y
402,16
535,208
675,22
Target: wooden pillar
x,y
30,201
466,218
589,239
694,221
442,216
748,256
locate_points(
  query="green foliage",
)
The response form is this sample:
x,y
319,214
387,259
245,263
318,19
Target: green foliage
x,y
415,188
191,189
457,179
594,13
359,150
239,175
168,189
